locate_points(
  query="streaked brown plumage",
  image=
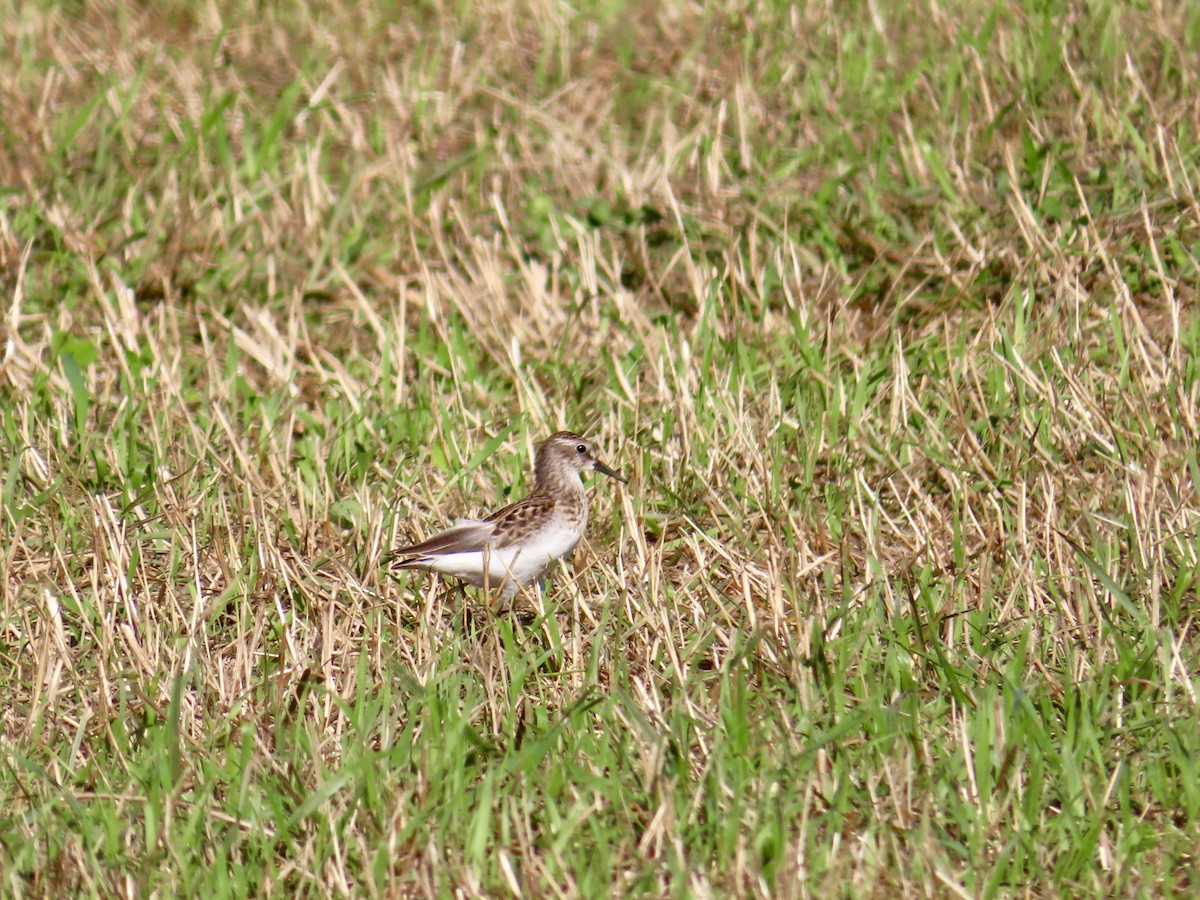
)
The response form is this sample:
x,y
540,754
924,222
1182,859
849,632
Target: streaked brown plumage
x,y
514,546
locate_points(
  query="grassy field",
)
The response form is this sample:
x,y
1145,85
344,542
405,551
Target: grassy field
x,y
888,310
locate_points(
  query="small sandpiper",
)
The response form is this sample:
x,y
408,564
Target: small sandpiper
x,y
514,546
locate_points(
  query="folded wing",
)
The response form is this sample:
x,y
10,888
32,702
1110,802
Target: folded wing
x,y
466,536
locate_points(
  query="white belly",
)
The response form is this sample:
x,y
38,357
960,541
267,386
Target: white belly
x,y
512,566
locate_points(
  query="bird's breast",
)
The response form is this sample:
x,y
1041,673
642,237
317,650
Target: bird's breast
x,y
552,542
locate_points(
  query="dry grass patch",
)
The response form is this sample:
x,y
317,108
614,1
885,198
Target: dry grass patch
x,y
890,316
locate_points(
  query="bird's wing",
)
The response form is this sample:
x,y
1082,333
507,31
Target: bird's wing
x,y
512,522
465,536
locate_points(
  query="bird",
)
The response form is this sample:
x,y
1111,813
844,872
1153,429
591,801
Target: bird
x,y
514,546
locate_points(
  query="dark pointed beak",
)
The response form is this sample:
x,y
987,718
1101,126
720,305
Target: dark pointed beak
x,y
611,473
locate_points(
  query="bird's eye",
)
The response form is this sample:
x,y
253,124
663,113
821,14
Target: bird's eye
x,y
581,449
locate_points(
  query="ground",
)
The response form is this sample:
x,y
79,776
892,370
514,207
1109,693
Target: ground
x,y
888,311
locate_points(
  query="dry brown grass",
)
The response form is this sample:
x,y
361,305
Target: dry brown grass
x,y
895,334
